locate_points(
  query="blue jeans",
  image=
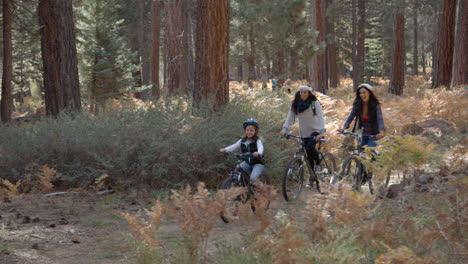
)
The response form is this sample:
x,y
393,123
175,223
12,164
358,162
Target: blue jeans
x,y
370,142
254,170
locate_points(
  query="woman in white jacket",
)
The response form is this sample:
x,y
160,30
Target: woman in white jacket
x,y
308,111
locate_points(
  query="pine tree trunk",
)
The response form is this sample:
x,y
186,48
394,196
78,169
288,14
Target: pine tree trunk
x,y
7,99
132,34
191,20
397,74
460,61
354,73
281,68
317,76
173,30
251,58
143,32
332,50
423,55
156,30
442,68
212,52
415,37
59,57
361,36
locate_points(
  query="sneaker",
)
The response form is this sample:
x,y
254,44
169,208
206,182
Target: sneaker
x,y
308,185
333,179
318,169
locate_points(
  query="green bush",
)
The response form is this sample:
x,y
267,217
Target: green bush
x,y
167,144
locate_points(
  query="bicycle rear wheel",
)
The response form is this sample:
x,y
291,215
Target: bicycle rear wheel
x,y
293,180
353,176
327,161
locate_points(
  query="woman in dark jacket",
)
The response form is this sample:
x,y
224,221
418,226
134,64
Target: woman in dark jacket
x,y
368,114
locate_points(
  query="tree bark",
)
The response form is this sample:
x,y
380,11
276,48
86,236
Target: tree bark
x,y
460,61
143,33
212,52
281,68
132,34
7,99
58,48
361,36
442,68
354,73
317,76
397,74
251,58
415,37
155,30
177,47
332,52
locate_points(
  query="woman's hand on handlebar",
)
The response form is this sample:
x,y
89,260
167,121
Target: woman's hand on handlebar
x,y
380,135
256,154
222,150
282,133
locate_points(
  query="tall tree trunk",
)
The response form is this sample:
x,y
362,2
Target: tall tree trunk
x,y
442,68
212,51
177,47
61,83
7,99
415,37
132,34
397,74
281,68
155,30
173,46
317,76
423,55
460,61
332,51
191,21
353,45
251,58
361,36
143,32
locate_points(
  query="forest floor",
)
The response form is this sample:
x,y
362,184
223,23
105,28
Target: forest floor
x,y
90,229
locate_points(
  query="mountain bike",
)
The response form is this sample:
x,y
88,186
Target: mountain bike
x,y
353,172
293,179
238,178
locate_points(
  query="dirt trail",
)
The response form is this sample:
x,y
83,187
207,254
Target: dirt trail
x,y
82,230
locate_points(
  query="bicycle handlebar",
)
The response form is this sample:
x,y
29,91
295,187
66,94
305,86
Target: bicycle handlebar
x,y
344,132
243,156
287,136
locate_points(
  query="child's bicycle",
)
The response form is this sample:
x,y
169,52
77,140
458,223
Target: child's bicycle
x,y
293,179
239,178
353,172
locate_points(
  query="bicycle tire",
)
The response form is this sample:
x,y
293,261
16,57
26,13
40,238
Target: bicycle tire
x,y
353,174
232,204
264,179
293,180
328,163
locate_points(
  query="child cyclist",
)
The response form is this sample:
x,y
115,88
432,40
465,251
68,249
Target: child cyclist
x,y
252,144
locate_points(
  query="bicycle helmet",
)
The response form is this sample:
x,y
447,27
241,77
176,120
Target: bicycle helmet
x,y
249,122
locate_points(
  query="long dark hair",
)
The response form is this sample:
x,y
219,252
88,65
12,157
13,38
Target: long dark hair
x,y
297,98
373,102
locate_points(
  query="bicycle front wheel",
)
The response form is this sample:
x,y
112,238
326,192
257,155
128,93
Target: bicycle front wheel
x,y
327,161
353,176
261,194
293,180
231,207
